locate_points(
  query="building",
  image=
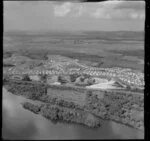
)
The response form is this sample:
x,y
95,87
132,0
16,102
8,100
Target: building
x,y
51,79
34,77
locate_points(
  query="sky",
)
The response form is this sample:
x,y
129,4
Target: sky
x,y
74,16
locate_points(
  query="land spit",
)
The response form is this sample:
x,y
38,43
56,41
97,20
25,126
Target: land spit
x,y
58,113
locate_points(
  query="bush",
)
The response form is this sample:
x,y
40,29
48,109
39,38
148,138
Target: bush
x,y
26,78
73,77
43,77
31,107
89,94
62,80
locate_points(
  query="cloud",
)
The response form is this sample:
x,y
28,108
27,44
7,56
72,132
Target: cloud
x,y
110,4
113,10
67,8
60,1
62,10
134,5
79,16
135,15
45,15
79,11
101,14
105,9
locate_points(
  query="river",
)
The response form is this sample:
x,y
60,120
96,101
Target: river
x,y
18,123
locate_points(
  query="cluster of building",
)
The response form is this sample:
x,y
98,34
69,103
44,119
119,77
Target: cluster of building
x,y
123,74
57,65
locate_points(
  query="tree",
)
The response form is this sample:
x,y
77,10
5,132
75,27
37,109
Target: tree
x,y
73,77
128,87
43,77
26,78
89,93
91,82
86,76
62,80
100,64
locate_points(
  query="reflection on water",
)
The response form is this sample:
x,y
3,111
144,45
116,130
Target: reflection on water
x,y
19,123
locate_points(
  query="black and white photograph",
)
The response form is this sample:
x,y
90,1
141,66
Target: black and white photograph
x,y
73,70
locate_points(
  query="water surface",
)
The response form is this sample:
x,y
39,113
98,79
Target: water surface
x,y
18,123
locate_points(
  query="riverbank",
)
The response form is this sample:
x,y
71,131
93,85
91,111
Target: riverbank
x,y
119,107
15,117
57,113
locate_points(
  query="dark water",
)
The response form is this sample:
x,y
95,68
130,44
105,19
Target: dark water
x,y
19,123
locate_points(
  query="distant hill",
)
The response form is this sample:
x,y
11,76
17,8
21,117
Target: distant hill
x,y
117,35
102,35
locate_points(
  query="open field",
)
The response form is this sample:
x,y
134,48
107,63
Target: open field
x,y
107,49
72,96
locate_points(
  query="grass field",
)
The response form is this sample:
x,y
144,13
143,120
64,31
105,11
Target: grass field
x,y
108,49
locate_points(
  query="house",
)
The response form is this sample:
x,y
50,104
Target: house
x,y
52,79
17,77
34,77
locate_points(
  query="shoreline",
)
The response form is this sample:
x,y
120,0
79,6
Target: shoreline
x,y
101,111
63,114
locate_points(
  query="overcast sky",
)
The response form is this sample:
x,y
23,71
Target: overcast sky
x,y
49,15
